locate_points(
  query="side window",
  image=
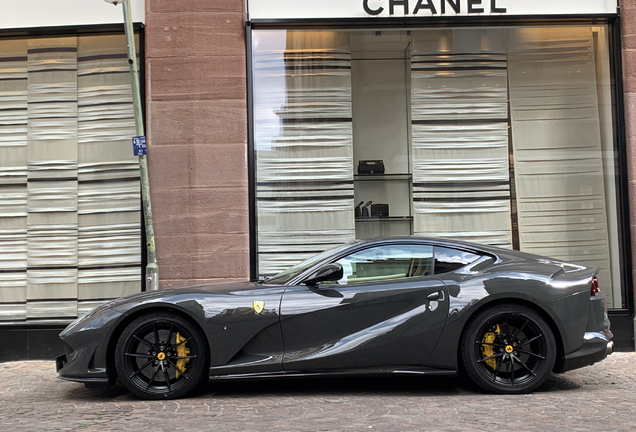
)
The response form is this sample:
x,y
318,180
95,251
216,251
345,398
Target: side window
x,y
448,260
384,263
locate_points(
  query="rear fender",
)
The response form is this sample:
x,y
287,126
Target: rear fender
x,y
445,354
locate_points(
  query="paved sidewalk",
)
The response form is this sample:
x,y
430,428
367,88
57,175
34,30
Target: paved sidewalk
x,y
597,398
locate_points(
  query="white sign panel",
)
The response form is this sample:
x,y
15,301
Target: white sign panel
x,y
53,13
307,9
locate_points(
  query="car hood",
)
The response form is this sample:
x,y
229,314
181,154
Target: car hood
x,y
173,295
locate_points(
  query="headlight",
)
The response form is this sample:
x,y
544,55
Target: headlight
x,y
83,319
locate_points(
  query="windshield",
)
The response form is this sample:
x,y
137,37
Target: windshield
x,y
287,275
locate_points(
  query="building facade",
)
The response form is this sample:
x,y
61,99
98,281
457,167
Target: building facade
x,y
495,122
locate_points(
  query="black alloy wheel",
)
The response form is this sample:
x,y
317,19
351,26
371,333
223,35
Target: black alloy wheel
x,y
161,356
508,349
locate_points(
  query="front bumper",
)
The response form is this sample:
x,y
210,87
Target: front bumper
x,y
596,347
101,379
60,362
85,347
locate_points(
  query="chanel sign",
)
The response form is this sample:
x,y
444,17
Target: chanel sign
x,y
378,9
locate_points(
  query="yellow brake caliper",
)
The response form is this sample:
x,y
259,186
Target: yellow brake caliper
x,y
182,351
488,350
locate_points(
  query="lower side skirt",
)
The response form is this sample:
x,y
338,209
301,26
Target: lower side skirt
x,y
336,373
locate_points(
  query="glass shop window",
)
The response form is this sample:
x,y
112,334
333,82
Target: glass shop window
x,y
70,217
501,136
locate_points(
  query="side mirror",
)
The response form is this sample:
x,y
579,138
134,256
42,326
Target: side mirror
x,y
329,272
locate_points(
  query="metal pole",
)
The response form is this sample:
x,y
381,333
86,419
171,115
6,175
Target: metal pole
x,y
152,269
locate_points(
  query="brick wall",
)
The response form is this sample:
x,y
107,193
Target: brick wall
x,y
197,123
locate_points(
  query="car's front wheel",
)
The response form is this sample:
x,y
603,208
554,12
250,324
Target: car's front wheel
x,y
508,349
160,355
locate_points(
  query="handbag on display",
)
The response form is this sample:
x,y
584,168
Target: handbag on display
x,y
380,210
365,210
358,211
370,167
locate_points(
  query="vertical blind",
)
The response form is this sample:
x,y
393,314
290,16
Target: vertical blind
x,y
459,123
304,148
69,185
461,146
557,147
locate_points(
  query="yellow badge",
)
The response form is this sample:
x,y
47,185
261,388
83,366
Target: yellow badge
x,y
161,356
258,306
509,349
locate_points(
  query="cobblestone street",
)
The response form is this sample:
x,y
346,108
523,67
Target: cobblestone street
x,y
596,398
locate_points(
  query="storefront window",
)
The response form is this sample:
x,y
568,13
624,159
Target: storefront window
x,y
502,136
70,222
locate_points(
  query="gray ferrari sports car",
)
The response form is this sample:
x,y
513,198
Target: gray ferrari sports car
x,y
395,305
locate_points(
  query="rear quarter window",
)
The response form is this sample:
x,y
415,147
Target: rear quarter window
x,y
448,260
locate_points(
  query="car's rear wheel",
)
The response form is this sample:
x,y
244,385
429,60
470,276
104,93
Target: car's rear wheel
x,y
161,356
508,349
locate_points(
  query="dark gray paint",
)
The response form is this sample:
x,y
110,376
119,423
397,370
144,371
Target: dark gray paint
x,y
407,325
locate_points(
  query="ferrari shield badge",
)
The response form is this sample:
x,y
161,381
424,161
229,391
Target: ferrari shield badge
x,y
258,306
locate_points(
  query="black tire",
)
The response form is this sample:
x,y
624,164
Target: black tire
x,y
523,350
152,364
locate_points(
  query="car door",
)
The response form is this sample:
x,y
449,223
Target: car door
x,y
387,310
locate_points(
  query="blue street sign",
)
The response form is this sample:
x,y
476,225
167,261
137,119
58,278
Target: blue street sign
x,y
139,145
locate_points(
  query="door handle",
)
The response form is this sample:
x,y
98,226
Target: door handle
x,y
436,296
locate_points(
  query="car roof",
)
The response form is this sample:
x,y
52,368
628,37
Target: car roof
x,y
433,240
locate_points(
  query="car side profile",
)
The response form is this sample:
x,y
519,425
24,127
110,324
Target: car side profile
x,y
394,305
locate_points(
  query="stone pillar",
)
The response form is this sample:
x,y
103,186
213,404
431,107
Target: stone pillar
x,y
628,42
197,133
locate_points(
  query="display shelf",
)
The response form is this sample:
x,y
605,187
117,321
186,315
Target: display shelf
x,y
382,177
386,219
393,190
